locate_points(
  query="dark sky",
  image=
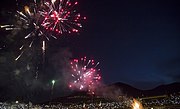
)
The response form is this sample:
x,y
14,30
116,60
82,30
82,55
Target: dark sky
x,y
136,42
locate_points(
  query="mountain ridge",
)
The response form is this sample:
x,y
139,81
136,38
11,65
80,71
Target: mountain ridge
x,y
113,91
159,90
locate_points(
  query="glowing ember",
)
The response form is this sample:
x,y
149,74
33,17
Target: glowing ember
x,y
136,104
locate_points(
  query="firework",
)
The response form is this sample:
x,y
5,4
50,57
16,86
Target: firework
x,y
27,19
60,16
45,19
85,75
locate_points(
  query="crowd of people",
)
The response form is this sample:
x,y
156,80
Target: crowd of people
x,y
110,105
171,100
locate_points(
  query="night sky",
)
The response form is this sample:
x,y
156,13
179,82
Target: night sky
x,y
136,42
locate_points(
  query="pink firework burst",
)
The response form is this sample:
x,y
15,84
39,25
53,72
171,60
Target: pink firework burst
x,y
60,16
85,75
